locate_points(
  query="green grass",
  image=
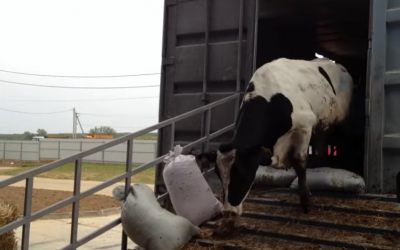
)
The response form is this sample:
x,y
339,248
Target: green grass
x,y
149,136
90,171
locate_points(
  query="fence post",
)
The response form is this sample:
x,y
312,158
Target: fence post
x,y
4,150
20,151
59,149
128,169
39,150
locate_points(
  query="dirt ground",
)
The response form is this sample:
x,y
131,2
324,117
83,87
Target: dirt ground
x,y
42,198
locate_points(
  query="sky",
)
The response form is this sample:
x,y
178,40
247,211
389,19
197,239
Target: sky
x,y
79,38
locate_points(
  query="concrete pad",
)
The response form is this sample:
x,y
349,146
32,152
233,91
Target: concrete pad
x,y
54,234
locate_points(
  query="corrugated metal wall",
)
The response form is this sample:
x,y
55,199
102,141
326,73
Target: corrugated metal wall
x,y
207,55
383,95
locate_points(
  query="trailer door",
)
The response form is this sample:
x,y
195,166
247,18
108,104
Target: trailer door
x,y
383,97
207,55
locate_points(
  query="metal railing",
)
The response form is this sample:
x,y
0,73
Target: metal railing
x,y
28,176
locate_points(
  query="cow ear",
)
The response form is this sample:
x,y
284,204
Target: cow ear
x,y
252,124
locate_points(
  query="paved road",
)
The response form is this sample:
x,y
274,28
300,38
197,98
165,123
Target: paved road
x,y
54,234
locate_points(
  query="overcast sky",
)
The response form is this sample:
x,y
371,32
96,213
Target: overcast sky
x,y
79,38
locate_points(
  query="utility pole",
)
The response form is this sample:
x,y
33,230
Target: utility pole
x,y
74,123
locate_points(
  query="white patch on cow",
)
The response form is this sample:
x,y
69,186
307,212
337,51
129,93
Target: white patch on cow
x,y
224,165
313,100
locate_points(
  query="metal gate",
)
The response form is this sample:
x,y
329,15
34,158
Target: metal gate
x,y
75,241
383,95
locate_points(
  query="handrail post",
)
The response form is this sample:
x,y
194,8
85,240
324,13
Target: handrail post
x,y
4,151
39,155
75,204
207,128
59,150
172,137
20,151
128,169
27,213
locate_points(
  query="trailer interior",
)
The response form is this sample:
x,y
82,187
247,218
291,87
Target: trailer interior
x,y
338,30
272,218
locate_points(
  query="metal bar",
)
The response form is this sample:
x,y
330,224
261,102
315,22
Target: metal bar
x,y
172,138
20,152
39,154
93,235
373,170
255,41
59,150
359,229
206,51
239,47
75,204
112,143
27,213
207,129
128,169
36,215
4,151
393,15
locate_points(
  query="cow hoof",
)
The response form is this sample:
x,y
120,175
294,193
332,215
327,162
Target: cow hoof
x,y
226,227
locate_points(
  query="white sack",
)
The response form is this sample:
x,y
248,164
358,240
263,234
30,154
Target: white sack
x,y
269,176
149,225
333,179
190,194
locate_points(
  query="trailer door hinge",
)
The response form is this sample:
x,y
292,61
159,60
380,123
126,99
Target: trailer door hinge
x,y
168,61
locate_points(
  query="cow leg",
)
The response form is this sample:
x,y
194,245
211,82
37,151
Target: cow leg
x,y
297,157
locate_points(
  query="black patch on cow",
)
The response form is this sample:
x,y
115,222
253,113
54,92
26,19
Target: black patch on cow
x,y
250,88
224,148
242,175
324,74
260,123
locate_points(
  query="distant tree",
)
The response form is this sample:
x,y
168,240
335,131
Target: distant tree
x,y
41,132
28,135
103,130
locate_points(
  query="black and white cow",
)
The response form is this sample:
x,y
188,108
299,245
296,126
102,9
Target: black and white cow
x,y
285,102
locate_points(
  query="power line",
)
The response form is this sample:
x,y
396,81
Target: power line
x,y
75,76
115,115
75,87
36,113
82,100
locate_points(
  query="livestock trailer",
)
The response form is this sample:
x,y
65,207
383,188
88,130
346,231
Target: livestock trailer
x,y
212,47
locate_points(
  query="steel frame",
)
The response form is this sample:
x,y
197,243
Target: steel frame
x,y
75,242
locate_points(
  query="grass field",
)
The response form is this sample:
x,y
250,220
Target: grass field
x,y
90,171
